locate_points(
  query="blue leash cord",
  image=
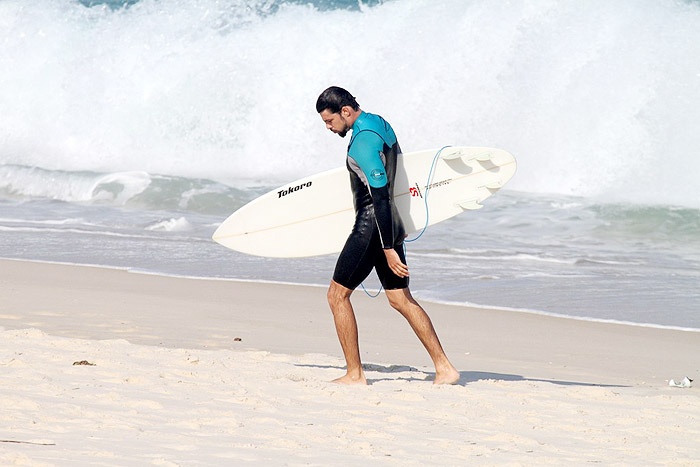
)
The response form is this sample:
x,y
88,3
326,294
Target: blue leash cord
x,y
427,215
369,294
425,198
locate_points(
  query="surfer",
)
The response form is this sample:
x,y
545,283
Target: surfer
x,y
376,240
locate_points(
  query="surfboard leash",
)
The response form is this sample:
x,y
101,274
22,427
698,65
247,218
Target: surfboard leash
x,y
425,198
381,287
427,215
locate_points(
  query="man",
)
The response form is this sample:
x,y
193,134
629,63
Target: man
x,y
376,241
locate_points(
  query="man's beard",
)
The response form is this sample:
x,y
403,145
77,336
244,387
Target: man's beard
x,y
345,130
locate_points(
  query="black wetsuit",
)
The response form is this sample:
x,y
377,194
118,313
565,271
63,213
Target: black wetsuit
x,y
371,161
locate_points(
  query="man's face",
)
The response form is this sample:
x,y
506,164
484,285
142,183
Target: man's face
x,y
335,122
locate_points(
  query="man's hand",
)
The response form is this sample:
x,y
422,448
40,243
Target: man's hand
x,y
395,263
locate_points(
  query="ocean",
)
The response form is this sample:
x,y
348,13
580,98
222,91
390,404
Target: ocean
x,y
130,129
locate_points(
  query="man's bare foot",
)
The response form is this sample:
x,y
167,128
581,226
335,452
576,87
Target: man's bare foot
x,y
448,376
351,379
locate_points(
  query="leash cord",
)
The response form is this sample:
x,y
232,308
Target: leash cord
x,y
427,216
425,198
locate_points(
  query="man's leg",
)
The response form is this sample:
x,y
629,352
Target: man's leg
x,y
404,303
346,327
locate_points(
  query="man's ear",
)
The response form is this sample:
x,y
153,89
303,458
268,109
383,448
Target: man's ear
x,y
346,111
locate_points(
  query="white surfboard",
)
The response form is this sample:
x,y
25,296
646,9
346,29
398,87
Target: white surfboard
x,y
314,215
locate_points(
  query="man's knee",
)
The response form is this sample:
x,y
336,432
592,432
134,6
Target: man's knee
x,y
399,299
337,294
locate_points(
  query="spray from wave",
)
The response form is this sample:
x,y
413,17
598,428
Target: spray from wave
x,y
595,99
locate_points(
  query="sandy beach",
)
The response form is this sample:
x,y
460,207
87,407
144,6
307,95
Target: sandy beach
x,y
130,130
202,372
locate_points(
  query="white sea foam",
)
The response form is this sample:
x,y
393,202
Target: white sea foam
x,y
596,99
118,188
179,224
561,315
515,256
104,233
6,220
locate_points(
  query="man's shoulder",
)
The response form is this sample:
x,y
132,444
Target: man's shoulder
x,y
374,122
373,128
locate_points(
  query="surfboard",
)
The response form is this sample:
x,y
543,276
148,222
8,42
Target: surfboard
x,y
314,215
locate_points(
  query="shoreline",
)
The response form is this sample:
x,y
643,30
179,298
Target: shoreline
x,y
98,303
321,286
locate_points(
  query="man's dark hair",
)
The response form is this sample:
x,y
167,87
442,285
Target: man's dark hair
x,y
334,98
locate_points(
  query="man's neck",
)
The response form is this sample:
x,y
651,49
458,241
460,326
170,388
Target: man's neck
x,y
353,117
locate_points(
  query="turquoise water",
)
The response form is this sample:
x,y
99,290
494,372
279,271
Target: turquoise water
x,y
131,129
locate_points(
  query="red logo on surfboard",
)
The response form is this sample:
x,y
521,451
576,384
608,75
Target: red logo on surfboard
x,y
415,191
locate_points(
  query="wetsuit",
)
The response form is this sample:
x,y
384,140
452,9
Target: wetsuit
x,y
371,161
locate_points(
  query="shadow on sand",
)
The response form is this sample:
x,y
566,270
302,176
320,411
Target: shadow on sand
x,y
465,377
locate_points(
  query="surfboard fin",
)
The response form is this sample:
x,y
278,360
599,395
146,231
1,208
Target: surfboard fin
x,y
448,156
470,204
495,185
483,157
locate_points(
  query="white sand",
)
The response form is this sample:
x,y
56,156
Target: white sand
x,y
170,386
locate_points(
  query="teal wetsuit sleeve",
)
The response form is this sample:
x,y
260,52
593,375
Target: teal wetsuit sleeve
x,y
365,150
